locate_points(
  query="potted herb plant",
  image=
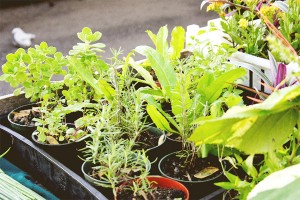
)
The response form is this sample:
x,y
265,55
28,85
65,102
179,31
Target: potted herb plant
x,y
31,72
191,99
110,159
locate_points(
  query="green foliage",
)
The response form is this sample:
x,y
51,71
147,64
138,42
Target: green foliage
x,y
161,59
34,70
87,72
289,24
252,129
279,185
243,184
250,38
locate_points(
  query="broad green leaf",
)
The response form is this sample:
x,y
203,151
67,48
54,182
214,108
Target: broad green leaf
x,y
252,135
144,73
214,90
152,36
155,93
97,36
162,67
278,101
107,90
85,74
100,66
159,120
162,42
177,42
226,185
283,184
249,167
17,91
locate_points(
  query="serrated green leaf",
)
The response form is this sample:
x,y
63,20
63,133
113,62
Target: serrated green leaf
x,y
180,100
159,120
162,42
162,67
144,73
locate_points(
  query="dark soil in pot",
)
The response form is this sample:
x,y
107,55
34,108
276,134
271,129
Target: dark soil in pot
x,y
159,193
152,140
208,170
162,188
21,119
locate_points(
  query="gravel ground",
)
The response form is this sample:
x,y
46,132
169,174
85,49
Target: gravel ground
x,y
122,22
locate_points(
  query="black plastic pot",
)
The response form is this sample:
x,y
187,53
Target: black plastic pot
x,y
155,153
172,145
86,168
200,188
67,153
25,130
45,169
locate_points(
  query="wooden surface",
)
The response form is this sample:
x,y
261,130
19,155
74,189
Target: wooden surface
x,y
10,102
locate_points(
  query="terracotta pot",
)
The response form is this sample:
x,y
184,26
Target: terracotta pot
x,y
163,182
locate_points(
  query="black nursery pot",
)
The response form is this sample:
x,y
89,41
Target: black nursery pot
x,y
67,153
155,153
172,145
24,130
85,169
197,188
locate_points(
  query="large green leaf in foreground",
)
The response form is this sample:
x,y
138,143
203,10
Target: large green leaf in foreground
x,y
254,129
283,184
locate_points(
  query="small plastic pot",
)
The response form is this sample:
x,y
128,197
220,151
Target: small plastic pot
x,y
162,182
86,168
155,153
66,153
25,130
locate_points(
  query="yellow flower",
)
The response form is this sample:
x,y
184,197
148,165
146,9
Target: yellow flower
x,y
269,11
214,6
243,23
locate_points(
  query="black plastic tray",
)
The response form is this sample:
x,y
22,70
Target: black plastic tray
x,y
57,178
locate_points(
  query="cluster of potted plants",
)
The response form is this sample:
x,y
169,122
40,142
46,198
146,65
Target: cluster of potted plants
x,y
177,114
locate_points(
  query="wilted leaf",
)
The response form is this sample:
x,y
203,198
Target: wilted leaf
x,y
206,172
161,139
51,140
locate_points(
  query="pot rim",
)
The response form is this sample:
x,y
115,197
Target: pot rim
x,y
34,135
17,109
162,133
185,181
101,181
185,190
